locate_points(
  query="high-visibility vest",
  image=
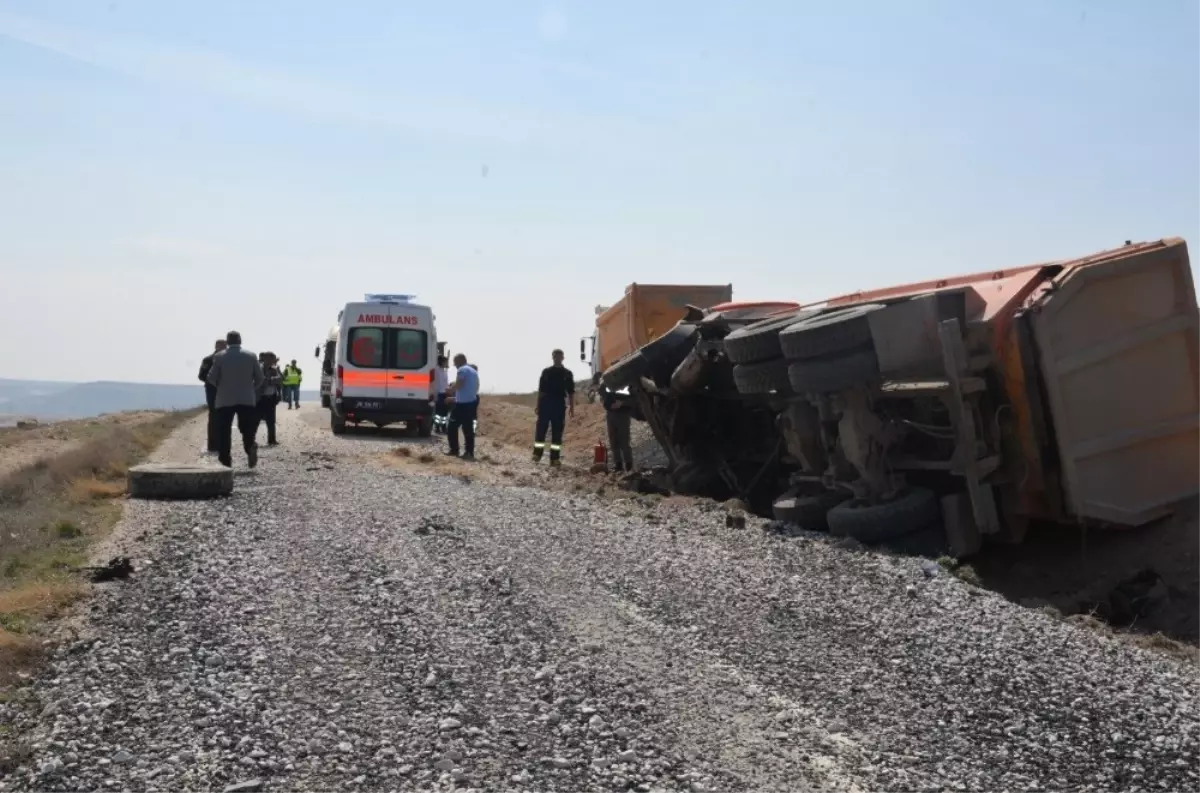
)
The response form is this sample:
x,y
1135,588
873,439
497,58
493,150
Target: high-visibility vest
x,y
291,375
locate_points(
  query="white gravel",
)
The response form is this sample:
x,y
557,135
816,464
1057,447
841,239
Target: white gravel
x,y
341,625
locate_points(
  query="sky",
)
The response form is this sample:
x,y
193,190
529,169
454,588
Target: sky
x,y
171,170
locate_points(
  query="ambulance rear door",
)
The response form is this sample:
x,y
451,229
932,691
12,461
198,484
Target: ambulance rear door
x,y
409,345
364,337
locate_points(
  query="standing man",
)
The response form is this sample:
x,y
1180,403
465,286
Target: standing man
x,y
555,401
465,393
441,381
210,395
237,376
618,414
269,394
291,385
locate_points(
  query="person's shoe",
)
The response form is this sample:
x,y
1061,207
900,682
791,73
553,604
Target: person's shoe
x,y
226,463
272,443
468,458
252,456
555,463
537,458
450,453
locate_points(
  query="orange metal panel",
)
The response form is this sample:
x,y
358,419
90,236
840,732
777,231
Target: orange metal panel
x,y
645,312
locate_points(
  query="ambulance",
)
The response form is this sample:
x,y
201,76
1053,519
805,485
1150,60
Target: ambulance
x,y
385,354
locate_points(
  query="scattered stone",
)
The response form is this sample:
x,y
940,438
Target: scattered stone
x,y
245,787
298,637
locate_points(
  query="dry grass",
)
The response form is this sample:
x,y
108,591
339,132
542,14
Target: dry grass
x,y
93,489
50,512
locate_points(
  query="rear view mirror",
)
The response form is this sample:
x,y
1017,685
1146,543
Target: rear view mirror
x,y
317,352
583,349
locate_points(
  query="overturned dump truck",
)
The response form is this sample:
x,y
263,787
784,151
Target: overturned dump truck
x,y
937,414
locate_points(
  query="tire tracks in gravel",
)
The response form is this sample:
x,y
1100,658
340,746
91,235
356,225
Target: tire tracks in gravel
x,y
720,714
516,635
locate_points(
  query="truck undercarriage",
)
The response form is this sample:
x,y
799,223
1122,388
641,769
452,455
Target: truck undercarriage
x,y
936,407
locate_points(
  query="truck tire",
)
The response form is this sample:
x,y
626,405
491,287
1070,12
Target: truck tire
x,y
836,373
625,372
763,377
759,341
808,512
159,481
840,330
912,511
337,424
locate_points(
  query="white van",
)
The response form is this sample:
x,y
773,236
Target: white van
x,y
386,352
327,353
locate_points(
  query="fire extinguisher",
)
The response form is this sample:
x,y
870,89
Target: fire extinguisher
x,y
600,454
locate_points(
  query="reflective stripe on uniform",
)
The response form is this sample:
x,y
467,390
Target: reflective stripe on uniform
x,y
539,445
554,447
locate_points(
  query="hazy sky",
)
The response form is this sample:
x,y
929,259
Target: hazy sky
x,y
169,170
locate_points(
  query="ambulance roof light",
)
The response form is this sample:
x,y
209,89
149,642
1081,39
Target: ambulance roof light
x,y
386,298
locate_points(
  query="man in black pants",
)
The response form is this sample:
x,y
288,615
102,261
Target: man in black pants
x,y
210,395
269,394
555,401
465,393
618,415
237,376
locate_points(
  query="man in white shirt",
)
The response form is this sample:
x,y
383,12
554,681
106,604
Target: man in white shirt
x,y
465,392
441,380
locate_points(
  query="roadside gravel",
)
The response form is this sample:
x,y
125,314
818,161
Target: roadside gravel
x,y
339,624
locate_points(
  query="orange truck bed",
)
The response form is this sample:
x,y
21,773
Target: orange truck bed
x,y
644,313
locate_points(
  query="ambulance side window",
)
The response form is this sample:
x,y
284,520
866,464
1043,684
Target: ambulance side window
x,y
410,349
366,348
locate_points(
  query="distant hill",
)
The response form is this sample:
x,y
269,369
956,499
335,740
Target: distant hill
x,y
48,401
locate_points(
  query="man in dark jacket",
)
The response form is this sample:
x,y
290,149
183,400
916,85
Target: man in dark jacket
x,y
269,394
237,375
555,401
210,394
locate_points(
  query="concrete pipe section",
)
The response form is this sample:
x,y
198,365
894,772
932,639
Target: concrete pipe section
x,y
164,481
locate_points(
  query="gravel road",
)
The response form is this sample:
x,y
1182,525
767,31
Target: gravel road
x,y
339,624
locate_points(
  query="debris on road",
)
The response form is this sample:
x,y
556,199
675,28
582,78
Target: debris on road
x,y
117,569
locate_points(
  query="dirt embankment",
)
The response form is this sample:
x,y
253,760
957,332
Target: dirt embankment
x,y
509,419
60,491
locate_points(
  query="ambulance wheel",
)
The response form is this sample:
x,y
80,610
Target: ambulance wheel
x,y
337,424
425,428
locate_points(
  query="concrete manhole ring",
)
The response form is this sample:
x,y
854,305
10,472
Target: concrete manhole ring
x,y
188,481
